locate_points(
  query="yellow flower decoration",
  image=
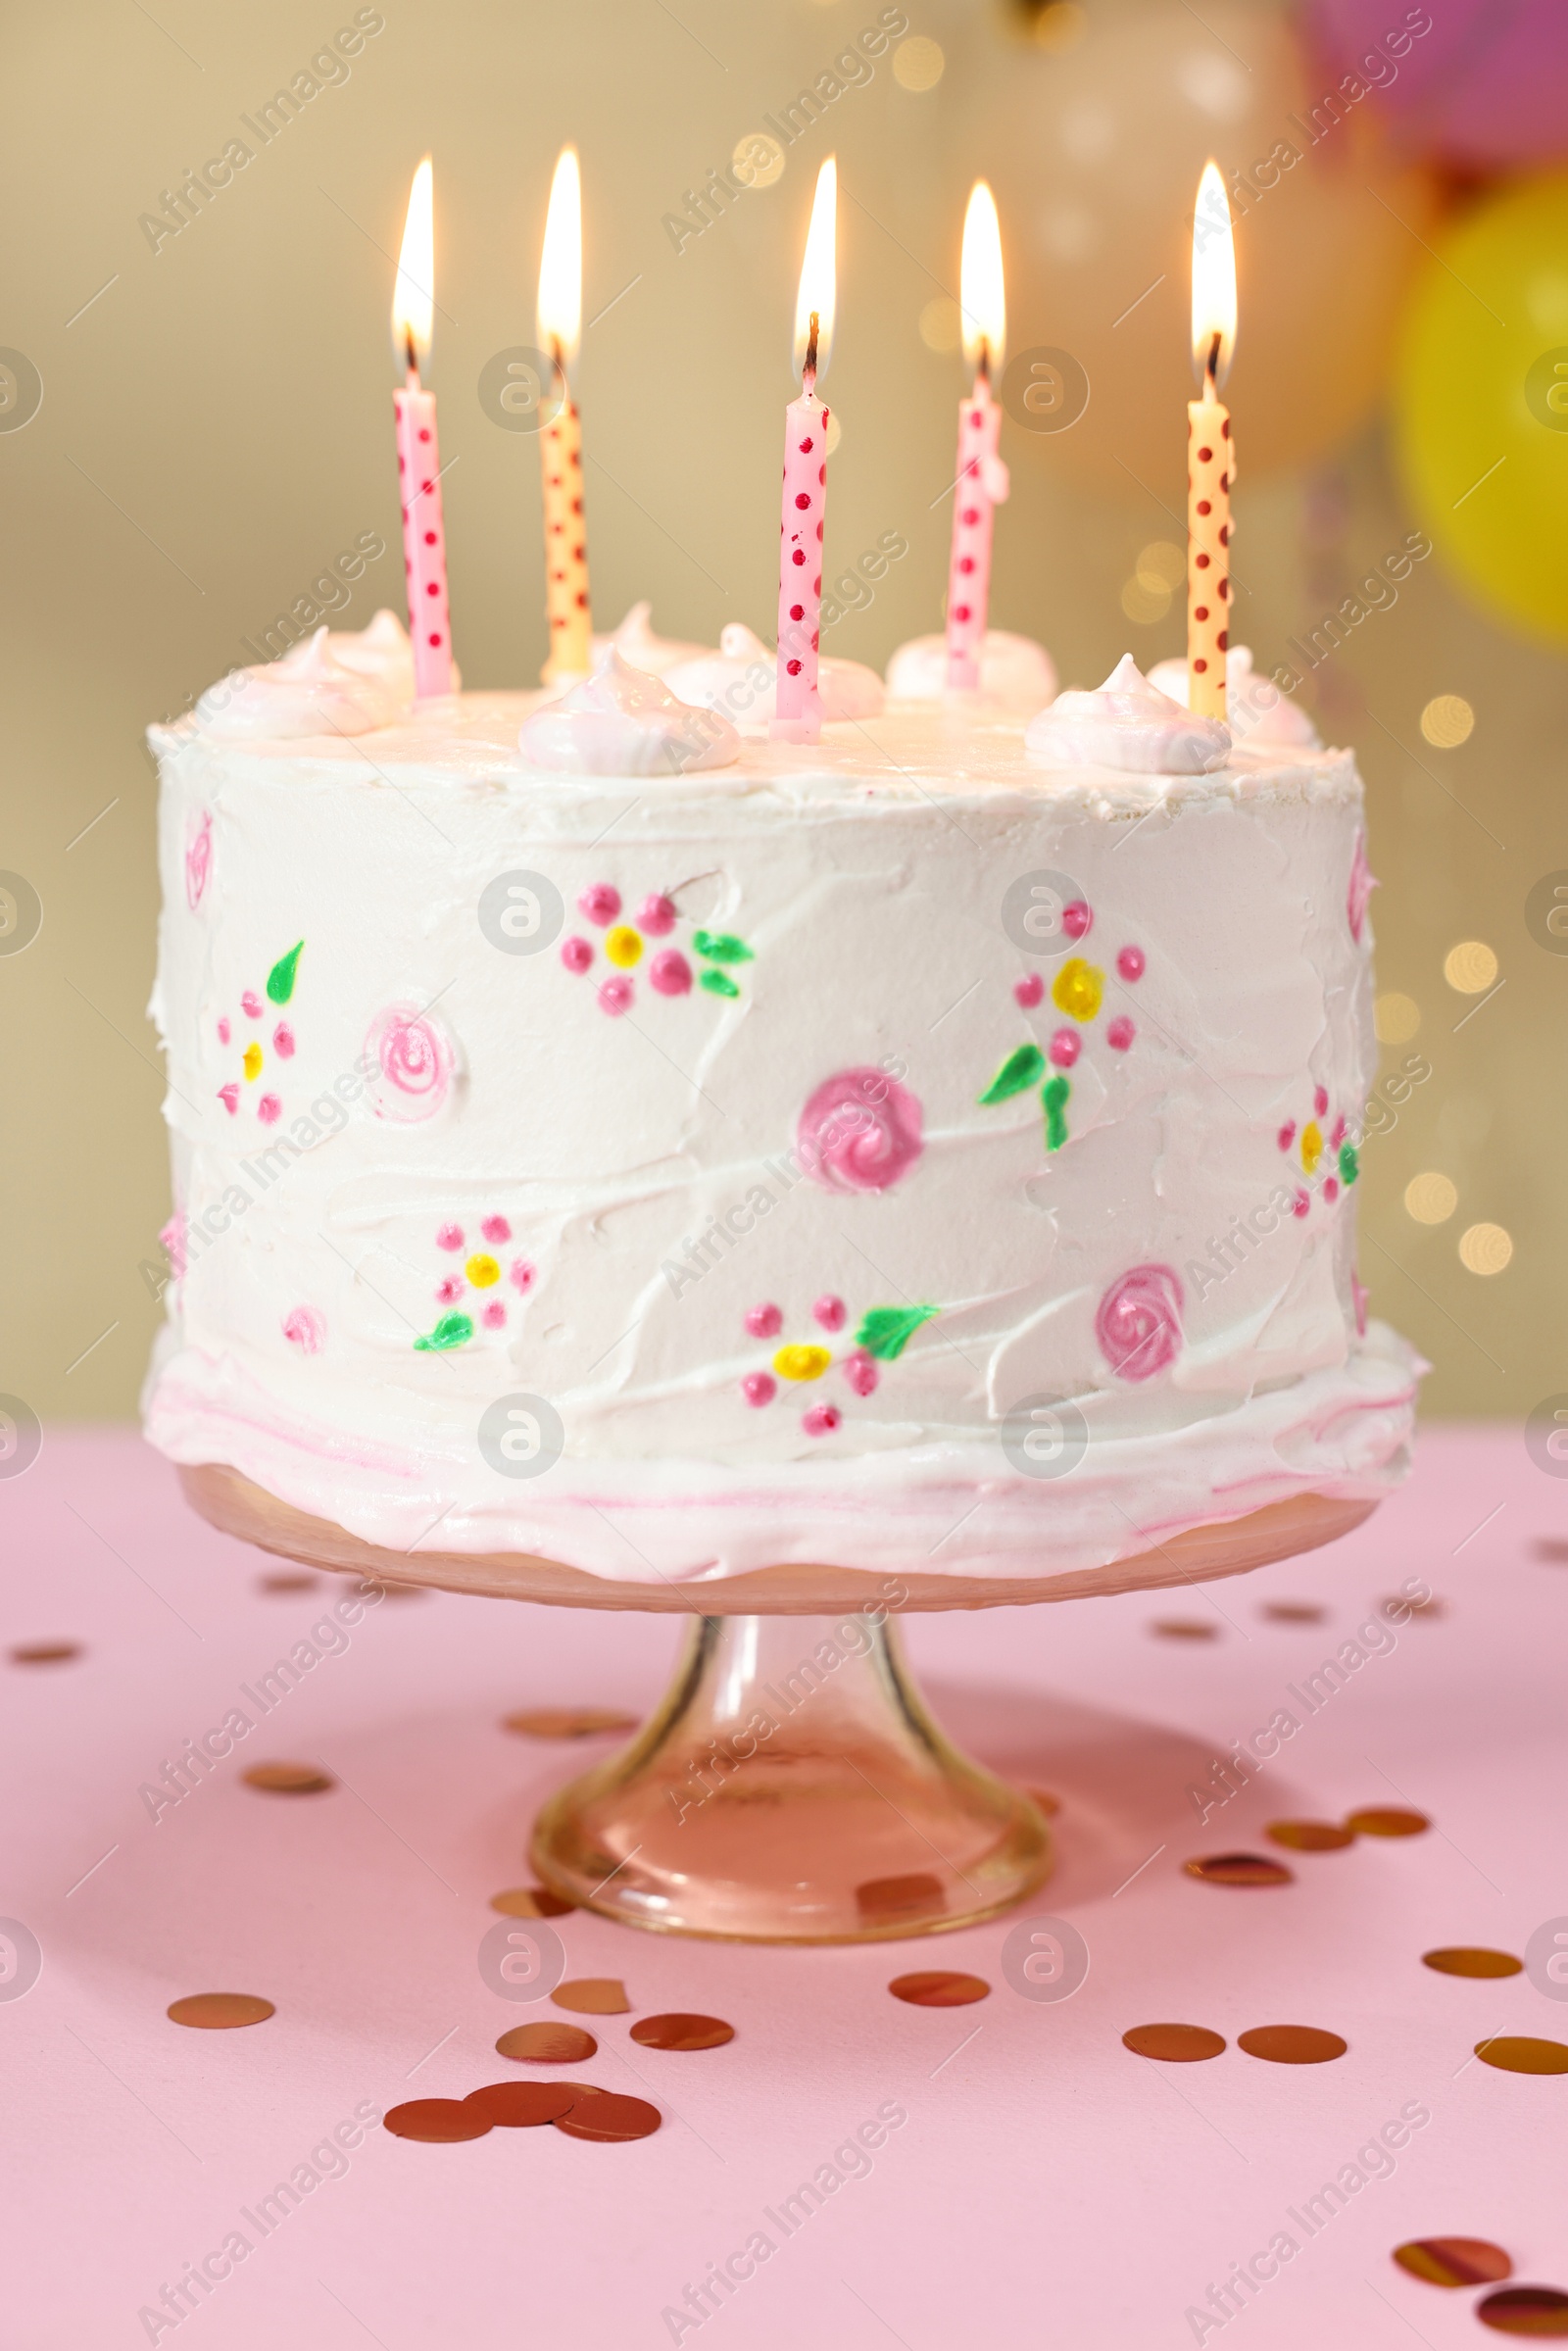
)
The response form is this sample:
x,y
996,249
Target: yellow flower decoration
x,y
1311,1146
253,1060
802,1362
482,1272
624,947
1077,989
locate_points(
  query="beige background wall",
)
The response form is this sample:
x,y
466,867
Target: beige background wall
x,y
215,426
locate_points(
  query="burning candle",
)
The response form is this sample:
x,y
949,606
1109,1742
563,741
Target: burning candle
x,y
798,702
1211,456
424,546
561,441
982,477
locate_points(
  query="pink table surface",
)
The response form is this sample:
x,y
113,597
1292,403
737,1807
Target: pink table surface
x,y
1046,2189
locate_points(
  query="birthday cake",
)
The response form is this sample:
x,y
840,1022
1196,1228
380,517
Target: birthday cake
x,y
607,1135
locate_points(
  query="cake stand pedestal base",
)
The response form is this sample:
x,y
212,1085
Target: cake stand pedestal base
x,y
791,1788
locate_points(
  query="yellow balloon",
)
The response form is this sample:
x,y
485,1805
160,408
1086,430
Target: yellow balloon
x,y
1481,404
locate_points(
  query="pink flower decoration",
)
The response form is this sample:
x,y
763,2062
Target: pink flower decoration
x,y
283,1042
1359,1298
859,1132
670,973
1287,1134
249,1003
821,1420
600,902
1139,1324
173,1242
450,1290
306,1328
1120,1034
268,1110
1363,884
656,917
763,1322
861,1370
1320,1102
1336,1137
1064,1048
1077,920
576,954
496,1228
494,1315
831,1313
450,1237
758,1388
229,1095
198,863
414,1061
1301,1204
615,995
1029,989
522,1275
224,1030
1330,1189
1130,963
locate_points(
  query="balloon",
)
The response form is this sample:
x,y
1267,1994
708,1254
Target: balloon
x,y
1094,156
1483,85
1481,404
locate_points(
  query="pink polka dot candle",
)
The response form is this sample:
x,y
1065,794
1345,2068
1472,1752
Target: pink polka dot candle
x,y
566,603
424,546
1211,456
981,482
798,702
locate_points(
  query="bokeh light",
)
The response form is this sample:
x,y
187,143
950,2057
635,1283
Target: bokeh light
x,y
1431,1198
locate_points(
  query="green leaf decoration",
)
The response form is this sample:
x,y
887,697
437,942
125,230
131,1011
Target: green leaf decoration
x,y
1017,1073
1350,1162
451,1331
1054,1093
721,947
280,979
888,1330
718,983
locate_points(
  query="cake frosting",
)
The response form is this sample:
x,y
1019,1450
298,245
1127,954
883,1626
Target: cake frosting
x,y
637,642
890,1151
1126,725
624,721
741,677
1255,709
1015,672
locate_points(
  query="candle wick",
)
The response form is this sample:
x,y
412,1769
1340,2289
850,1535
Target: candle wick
x,y
982,372
411,354
1211,367
809,371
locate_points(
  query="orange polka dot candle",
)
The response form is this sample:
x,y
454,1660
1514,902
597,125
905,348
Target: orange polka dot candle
x,y
798,702
981,482
566,602
424,545
1211,456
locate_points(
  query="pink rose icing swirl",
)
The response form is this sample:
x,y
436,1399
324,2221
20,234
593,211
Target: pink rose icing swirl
x,y
1139,1324
305,1327
1358,897
859,1132
415,1062
199,862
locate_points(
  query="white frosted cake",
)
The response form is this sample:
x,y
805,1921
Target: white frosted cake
x,y
935,1148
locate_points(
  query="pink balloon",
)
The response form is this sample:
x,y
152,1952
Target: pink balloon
x,y
1485,84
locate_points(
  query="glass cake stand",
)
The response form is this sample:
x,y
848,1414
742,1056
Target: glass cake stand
x,y
791,1786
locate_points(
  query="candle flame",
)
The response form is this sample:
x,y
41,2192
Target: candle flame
x,y
413,295
982,293
1214,277
561,262
818,287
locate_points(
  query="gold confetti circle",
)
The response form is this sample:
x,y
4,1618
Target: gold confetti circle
x,y
1486,1249
678,2030
1470,968
919,63
1455,2260
547,2043
288,1778
1174,2044
569,1722
290,1579
1431,1198
1185,1628
1310,1836
881,1900
219,2011
1387,1820
757,160
1447,722
1239,1868
1396,1017
1469,1959
1538,2310
1519,2054
1295,1612
593,1995
520,2105
606,2116
45,1652
1292,2044
531,1902
941,324
939,1988
442,2121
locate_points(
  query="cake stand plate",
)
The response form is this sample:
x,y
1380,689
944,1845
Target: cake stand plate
x,y
791,1786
